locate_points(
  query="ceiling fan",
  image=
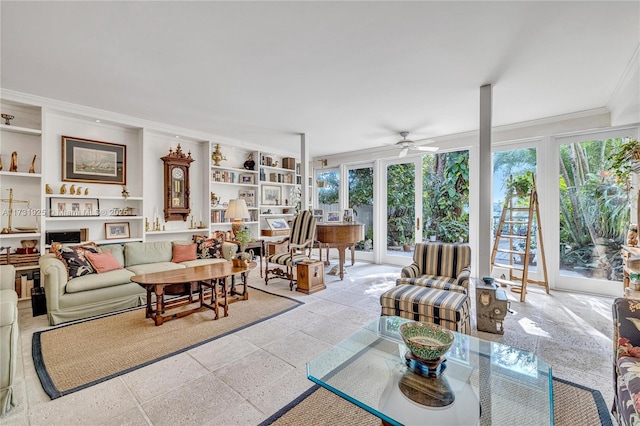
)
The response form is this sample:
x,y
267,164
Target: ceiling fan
x,y
407,144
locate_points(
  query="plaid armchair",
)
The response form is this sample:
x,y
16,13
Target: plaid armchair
x,y
298,249
439,265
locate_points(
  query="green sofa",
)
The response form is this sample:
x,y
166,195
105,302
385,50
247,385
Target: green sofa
x,y
8,337
95,294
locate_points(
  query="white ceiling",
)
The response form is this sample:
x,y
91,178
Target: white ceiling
x,y
350,75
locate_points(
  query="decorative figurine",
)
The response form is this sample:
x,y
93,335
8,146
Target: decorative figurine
x,y
217,156
32,169
86,191
48,189
125,192
250,164
63,188
79,190
7,118
13,167
72,190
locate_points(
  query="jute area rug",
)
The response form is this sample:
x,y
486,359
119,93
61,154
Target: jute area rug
x,y
79,355
573,405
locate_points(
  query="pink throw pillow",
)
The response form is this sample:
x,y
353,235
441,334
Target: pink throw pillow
x,y
103,262
183,253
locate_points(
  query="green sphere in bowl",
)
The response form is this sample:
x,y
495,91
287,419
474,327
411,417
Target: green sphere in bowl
x,y
425,340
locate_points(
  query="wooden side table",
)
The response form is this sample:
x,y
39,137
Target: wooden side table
x,y
310,276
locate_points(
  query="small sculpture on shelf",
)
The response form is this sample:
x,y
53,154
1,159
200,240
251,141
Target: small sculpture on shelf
x,y
125,192
86,191
72,190
146,224
32,169
13,167
48,189
63,188
217,156
79,190
7,118
250,164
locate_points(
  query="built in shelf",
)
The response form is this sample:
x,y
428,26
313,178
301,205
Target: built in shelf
x,y
101,197
175,231
267,182
20,174
18,129
252,185
279,169
20,235
233,169
96,218
118,241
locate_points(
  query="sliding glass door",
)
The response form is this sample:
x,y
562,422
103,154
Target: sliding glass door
x,y
360,199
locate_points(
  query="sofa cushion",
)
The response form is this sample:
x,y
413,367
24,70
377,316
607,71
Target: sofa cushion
x,y
75,258
209,248
117,250
148,268
141,253
103,262
95,281
200,262
183,253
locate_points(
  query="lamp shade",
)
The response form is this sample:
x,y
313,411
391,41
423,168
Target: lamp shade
x,y
237,209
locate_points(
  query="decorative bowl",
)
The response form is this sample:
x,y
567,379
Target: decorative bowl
x,y
425,340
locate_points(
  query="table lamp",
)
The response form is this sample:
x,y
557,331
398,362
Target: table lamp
x,y
236,211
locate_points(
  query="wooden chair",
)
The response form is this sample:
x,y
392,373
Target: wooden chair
x,y
294,249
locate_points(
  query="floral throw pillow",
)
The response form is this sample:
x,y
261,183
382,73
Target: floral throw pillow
x,y
75,259
208,248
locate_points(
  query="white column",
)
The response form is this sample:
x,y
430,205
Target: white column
x,y
304,171
484,188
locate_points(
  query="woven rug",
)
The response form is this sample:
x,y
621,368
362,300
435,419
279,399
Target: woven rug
x,y
72,357
573,405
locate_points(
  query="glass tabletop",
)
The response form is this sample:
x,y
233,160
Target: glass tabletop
x,y
481,382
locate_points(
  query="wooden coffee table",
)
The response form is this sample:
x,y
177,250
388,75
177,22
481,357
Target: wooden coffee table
x,y
205,276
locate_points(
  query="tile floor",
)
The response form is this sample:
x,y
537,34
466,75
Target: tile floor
x,y
243,378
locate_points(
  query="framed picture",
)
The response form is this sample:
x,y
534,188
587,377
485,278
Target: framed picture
x,y
248,178
270,195
63,207
117,230
84,160
277,223
318,214
347,215
249,197
333,217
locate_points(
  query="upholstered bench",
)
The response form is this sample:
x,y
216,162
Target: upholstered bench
x,y
449,309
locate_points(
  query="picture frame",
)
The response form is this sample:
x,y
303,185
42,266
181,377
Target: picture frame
x,y
347,215
277,223
89,161
271,195
249,196
333,217
318,214
247,178
78,207
116,230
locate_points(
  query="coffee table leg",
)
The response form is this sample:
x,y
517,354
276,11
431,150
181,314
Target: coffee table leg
x,y
159,291
226,296
214,297
149,308
245,293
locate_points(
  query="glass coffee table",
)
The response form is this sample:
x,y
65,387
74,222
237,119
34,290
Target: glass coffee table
x,y
481,382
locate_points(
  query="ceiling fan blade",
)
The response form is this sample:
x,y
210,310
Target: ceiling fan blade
x,y
426,148
403,152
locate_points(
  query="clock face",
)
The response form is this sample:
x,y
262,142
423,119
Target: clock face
x,y
177,173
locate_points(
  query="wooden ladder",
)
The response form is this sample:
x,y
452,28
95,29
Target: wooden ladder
x,y
509,229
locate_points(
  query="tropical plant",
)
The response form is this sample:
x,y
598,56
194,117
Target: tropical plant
x,y
621,157
520,185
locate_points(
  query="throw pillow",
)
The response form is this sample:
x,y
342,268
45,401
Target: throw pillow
x,y
183,253
103,262
75,258
209,248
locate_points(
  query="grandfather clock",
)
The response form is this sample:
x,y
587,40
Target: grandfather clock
x,y
177,190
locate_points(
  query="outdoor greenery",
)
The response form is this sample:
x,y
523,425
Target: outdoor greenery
x,y
594,208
